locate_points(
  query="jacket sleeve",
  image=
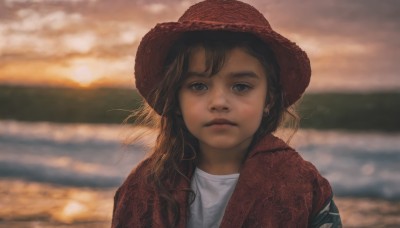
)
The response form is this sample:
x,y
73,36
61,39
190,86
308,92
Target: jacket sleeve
x,y
125,210
328,217
116,200
324,213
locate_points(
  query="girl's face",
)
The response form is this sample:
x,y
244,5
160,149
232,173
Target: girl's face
x,y
224,111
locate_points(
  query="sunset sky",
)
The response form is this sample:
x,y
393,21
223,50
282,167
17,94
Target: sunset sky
x,y
354,45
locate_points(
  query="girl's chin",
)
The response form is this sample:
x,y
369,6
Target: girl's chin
x,y
224,144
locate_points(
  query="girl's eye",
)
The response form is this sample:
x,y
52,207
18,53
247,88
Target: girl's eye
x,y
197,86
241,87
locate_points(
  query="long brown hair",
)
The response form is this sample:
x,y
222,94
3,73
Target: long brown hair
x,y
174,144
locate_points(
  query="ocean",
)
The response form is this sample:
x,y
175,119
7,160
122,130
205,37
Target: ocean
x,y
95,158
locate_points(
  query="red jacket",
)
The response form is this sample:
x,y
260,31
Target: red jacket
x,y
276,188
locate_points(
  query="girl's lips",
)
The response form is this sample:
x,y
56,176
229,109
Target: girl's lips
x,y
220,122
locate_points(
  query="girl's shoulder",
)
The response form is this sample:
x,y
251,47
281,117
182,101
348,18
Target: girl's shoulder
x,y
138,173
274,151
285,162
130,193
280,173
274,158
133,186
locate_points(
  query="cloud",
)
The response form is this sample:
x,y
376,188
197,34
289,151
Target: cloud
x,y
155,8
29,20
11,3
66,27
82,42
28,32
367,22
331,16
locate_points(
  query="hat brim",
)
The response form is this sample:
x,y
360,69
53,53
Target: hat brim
x,y
295,69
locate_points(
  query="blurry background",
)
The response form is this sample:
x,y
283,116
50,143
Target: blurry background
x,y
66,85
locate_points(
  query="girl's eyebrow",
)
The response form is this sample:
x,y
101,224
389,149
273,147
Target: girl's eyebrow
x,y
244,74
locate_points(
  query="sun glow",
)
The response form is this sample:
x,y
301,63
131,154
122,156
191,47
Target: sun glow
x,y
84,71
73,72
73,208
83,75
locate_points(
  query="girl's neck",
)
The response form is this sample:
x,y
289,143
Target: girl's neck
x,y
221,162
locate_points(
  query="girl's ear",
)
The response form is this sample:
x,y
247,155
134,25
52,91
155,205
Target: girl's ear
x,y
269,103
266,110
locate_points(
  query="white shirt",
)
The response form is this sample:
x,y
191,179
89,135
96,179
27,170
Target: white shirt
x,y
212,195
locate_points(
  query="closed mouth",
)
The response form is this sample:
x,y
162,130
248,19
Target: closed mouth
x,y
220,122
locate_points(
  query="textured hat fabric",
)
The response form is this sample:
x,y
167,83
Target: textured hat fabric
x,y
221,15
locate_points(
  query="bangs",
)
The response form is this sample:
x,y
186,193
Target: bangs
x,y
215,56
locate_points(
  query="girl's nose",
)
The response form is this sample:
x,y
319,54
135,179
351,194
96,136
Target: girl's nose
x,y
219,101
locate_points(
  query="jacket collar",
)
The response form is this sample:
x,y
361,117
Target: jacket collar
x,y
269,143
241,201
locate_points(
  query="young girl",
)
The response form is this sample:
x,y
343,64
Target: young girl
x,y
219,82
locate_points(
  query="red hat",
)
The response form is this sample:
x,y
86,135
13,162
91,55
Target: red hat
x,y
221,15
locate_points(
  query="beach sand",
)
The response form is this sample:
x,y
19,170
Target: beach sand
x,y
31,204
